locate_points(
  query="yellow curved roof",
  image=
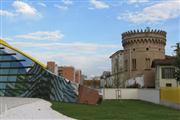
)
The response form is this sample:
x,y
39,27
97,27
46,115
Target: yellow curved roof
x,y
7,45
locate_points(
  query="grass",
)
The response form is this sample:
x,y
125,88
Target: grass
x,y
117,110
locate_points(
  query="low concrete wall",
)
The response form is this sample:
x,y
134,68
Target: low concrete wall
x,y
169,97
170,104
129,93
149,95
120,93
109,93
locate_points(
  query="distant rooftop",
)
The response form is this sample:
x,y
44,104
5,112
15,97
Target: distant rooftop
x,y
117,52
169,60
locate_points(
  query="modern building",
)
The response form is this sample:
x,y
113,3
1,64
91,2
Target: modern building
x,y
165,73
118,68
22,75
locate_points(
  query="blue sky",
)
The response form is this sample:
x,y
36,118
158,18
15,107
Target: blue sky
x,y
83,33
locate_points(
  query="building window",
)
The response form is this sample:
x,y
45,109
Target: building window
x,y
133,64
168,84
134,49
126,65
148,63
147,49
168,73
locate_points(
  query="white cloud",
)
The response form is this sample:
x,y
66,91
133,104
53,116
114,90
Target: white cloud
x,y
6,38
25,9
99,4
42,35
61,7
157,12
42,4
7,13
65,6
89,65
91,62
67,2
137,1
88,47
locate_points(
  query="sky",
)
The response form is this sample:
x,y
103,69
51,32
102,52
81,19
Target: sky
x,y
83,33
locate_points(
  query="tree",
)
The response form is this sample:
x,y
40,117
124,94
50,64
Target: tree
x,y
177,74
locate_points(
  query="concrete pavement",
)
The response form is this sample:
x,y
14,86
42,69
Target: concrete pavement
x,y
28,108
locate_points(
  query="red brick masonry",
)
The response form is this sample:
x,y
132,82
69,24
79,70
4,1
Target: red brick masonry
x,y
88,95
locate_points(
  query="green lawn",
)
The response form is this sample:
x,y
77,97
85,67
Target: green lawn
x,y
117,110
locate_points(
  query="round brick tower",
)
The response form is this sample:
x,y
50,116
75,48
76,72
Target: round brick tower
x,y
141,47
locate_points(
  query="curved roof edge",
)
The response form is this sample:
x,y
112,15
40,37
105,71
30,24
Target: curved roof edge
x,y
33,59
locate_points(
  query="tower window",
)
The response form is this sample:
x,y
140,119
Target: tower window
x,y
147,49
134,49
148,63
133,64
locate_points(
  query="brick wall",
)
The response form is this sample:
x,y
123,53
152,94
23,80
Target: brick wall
x,y
88,95
67,72
51,66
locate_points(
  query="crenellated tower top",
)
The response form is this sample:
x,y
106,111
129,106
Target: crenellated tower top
x,y
144,36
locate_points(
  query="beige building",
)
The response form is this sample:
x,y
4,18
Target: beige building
x,y
165,73
141,47
117,61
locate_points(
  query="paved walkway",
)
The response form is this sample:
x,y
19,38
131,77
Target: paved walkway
x,y
28,108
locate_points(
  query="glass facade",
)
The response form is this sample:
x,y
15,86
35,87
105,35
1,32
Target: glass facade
x,y
21,75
